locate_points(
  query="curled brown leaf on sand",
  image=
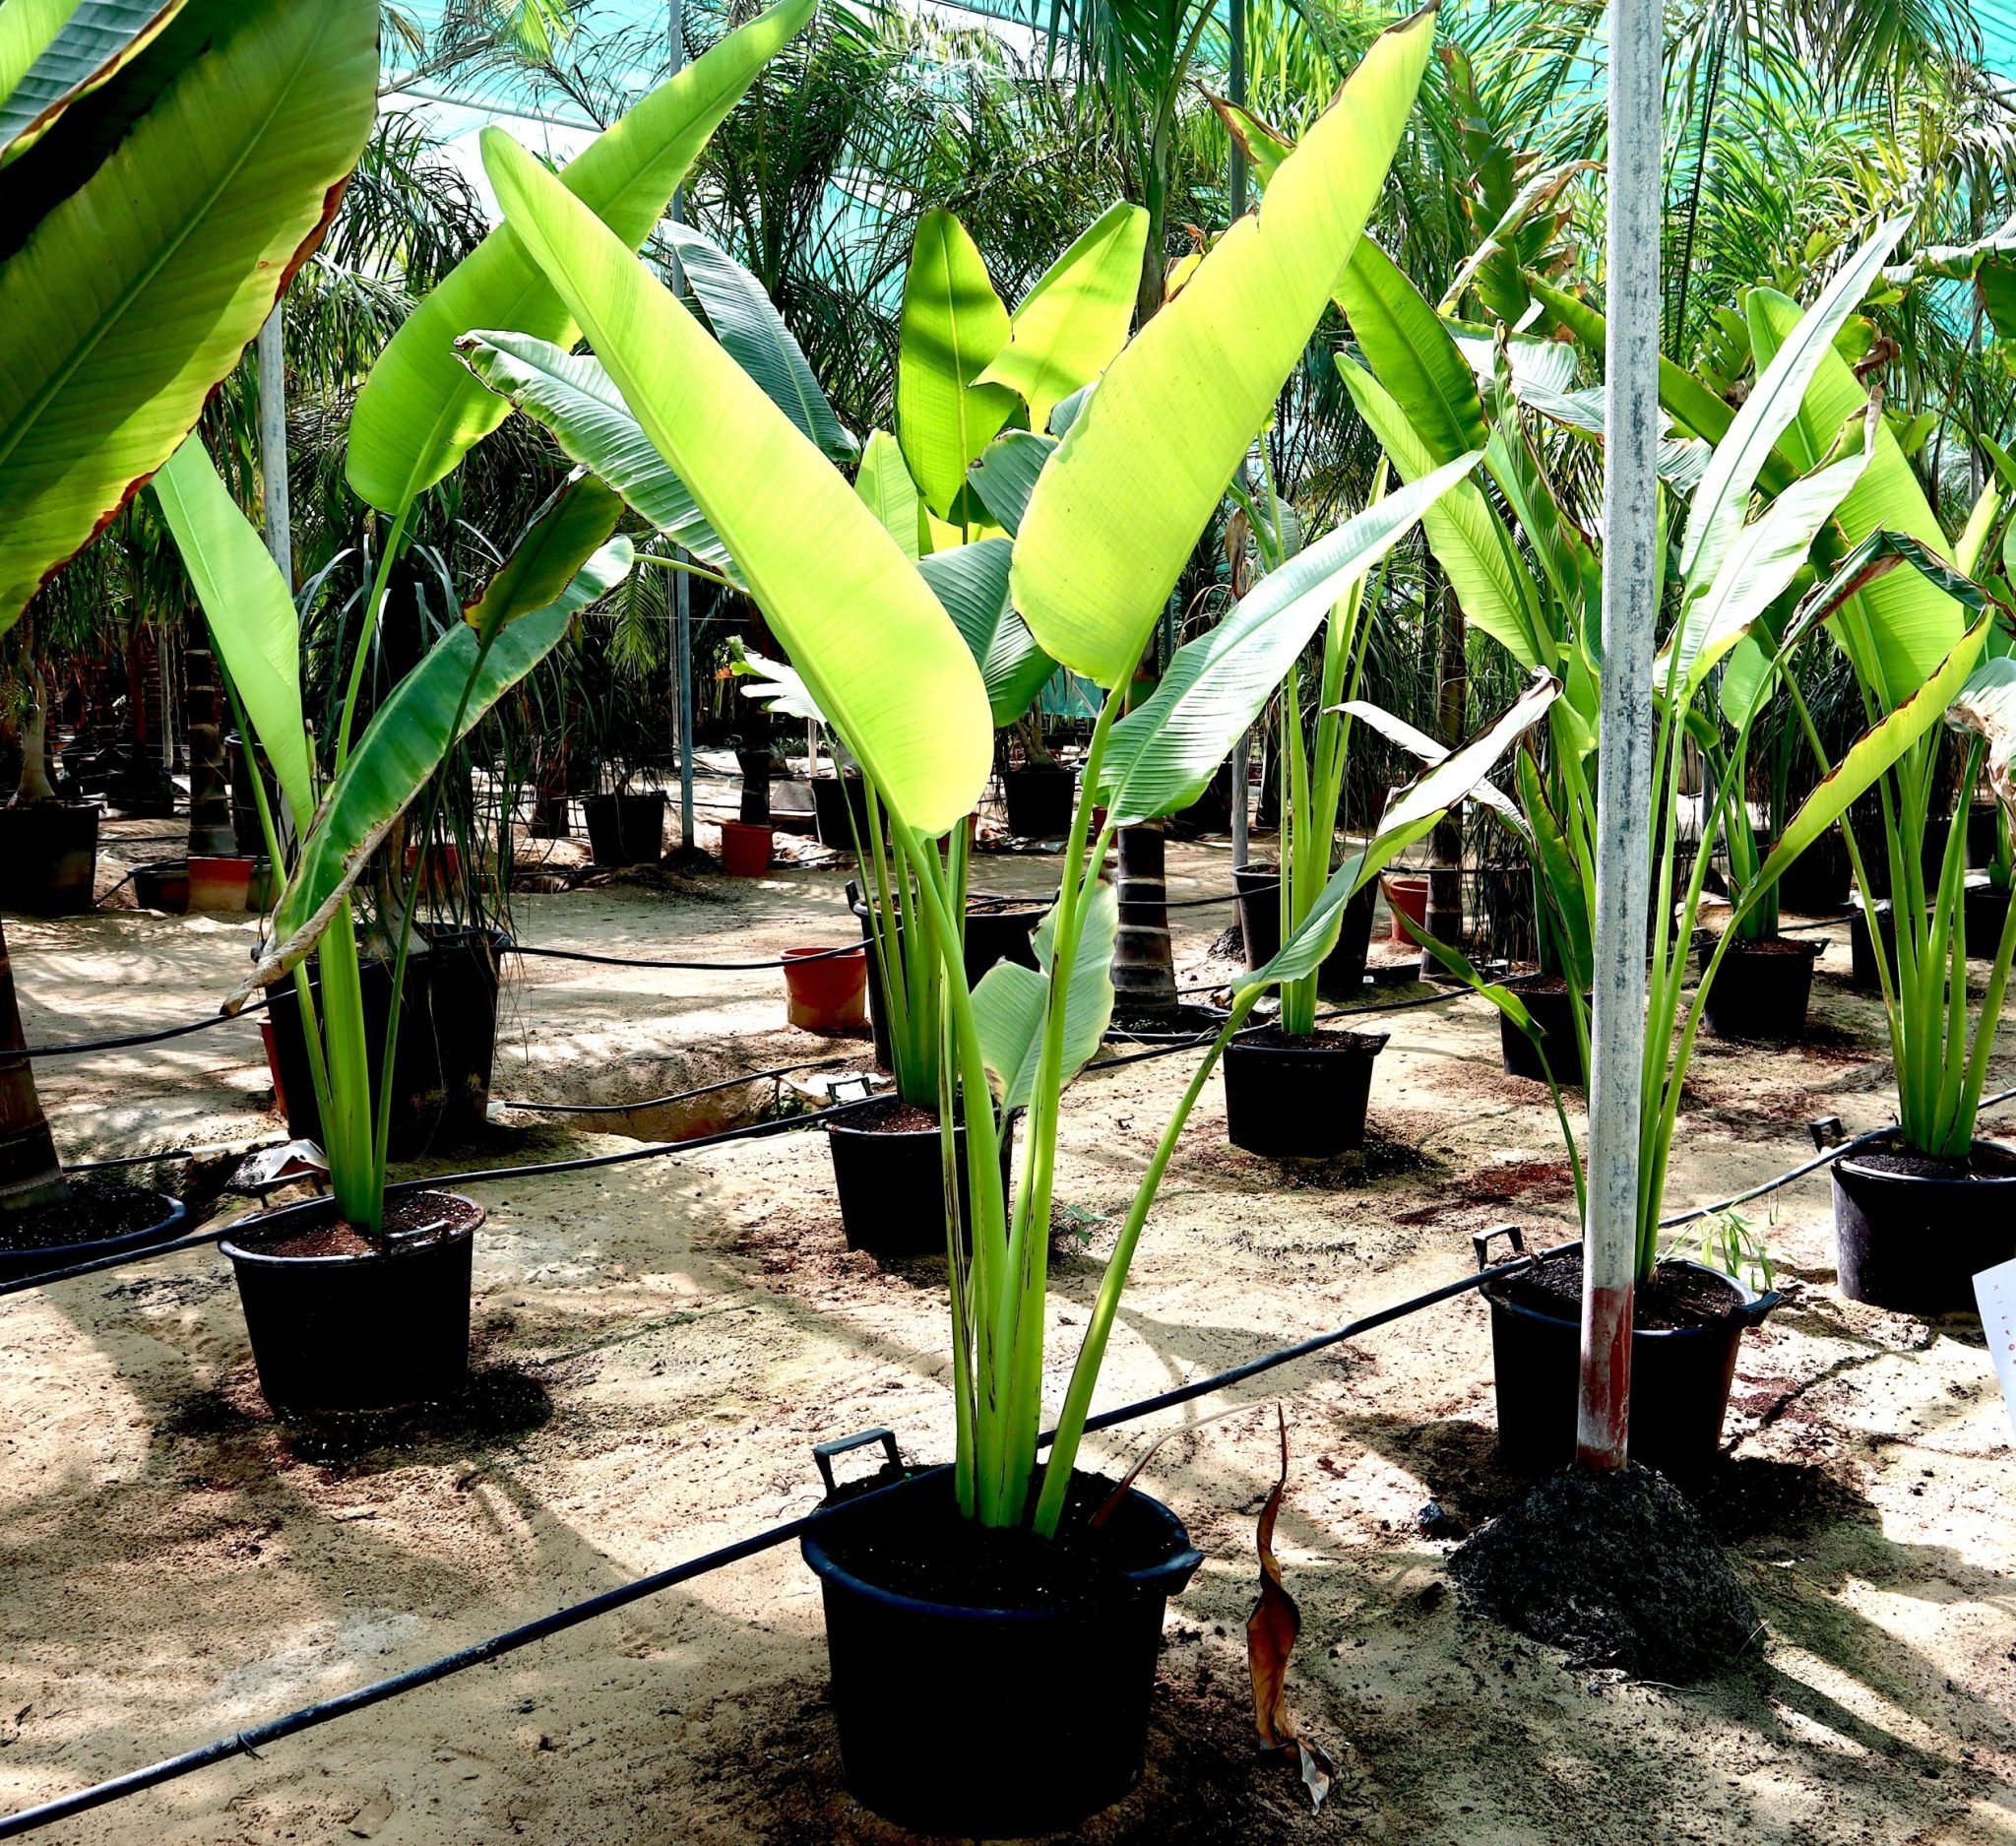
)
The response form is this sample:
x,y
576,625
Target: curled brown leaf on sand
x,y
1271,1631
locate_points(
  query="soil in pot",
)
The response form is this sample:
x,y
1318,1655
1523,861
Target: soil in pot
x,y
1762,988
1299,1098
1038,800
1052,1643
1618,1569
1340,975
626,829
48,857
887,1170
1686,1322
1546,1002
340,1323
99,1218
1912,1231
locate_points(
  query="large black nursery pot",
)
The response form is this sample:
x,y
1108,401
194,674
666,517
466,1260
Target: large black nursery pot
x,y
418,1089
379,1330
1762,988
1913,1240
1049,1723
1681,1377
891,1180
832,798
464,972
1341,975
1863,972
172,1220
1300,1099
1818,882
626,829
1986,907
48,857
1546,1002
1039,796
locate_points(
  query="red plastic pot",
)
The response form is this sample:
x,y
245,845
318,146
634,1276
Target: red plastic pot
x,y
227,884
824,991
1407,897
745,848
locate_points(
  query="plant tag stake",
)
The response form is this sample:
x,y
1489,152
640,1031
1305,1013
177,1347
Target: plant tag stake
x,y
1995,1291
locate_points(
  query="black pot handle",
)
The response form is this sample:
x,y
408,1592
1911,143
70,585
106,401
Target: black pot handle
x,y
1751,1313
1171,1576
823,1452
1481,1241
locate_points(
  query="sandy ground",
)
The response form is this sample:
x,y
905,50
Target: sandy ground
x,y
658,1345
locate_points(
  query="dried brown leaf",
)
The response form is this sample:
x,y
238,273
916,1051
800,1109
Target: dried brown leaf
x,y
1271,1631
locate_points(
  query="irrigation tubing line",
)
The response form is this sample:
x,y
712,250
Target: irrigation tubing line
x,y
733,967
140,1037
250,1740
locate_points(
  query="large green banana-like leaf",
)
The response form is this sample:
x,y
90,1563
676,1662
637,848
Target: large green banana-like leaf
x,y
133,275
1722,502
53,51
1412,354
972,581
1067,329
419,411
1565,892
1410,816
576,399
1869,755
745,321
1903,626
1115,513
1161,756
404,744
1005,475
572,526
1756,569
953,325
885,486
1010,1003
1463,530
251,615
877,651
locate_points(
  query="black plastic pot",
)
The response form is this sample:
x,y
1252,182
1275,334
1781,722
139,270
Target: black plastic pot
x,y
626,829
15,1266
416,1067
1981,836
1762,988
1987,908
48,857
1039,798
1056,1700
1680,1380
1341,975
832,798
1550,1008
1914,1243
1300,1101
993,934
1863,972
162,885
1816,883
892,1186
338,1334
463,968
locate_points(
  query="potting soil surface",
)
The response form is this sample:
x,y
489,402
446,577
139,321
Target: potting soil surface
x,y
657,1345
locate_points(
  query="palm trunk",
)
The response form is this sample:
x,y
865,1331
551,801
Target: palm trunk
x,y
36,785
30,1173
1144,968
210,832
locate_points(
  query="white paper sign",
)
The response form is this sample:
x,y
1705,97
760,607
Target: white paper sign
x,y
1996,1290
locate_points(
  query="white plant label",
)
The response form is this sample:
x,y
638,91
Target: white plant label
x,y
1996,1290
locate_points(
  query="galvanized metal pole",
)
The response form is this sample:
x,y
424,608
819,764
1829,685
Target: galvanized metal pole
x,y
682,597
1624,766
272,440
1242,751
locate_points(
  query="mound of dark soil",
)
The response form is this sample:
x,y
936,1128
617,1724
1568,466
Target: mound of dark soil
x,y
1616,1569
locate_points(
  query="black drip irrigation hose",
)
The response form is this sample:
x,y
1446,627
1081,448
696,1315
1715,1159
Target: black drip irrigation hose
x,y
250,1740
141,1038
729,968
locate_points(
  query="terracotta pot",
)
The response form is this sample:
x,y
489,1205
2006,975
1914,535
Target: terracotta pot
x,y
1407,897
227,884
745,848
824,991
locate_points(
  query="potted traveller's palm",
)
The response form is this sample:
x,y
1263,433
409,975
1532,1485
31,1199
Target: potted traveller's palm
x,y
1737,575
1019,1576
310,1276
